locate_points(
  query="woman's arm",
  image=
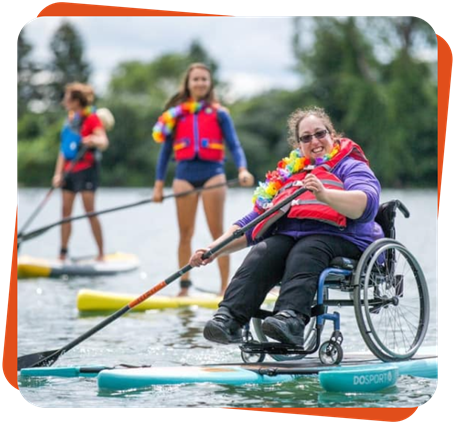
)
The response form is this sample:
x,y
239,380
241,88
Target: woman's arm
x,y
233,143
57,179
236,245
161,168
351,204
360,199
163,160
98,139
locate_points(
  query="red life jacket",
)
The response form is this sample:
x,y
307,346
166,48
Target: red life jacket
x,y
88,159
306,206
199,134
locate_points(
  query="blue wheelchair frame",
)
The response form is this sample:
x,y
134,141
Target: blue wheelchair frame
x,y
349,276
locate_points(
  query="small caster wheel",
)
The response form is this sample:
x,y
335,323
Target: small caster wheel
x,y
252,357
330,353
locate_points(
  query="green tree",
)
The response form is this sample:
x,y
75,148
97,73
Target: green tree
x,y
404,35
261,125
26,69
156,81
38,130
136,95
67,63
412,103
368,76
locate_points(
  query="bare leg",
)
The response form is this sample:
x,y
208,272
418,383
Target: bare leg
x,y
213,201
65,231
88,199
186,216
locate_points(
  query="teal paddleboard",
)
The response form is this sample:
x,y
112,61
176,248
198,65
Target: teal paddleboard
x,y
123,377
359,379
147,377
359,376
64,372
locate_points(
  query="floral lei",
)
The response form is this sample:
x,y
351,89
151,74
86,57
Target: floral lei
x,y
88,110
286,168
75,118
166,122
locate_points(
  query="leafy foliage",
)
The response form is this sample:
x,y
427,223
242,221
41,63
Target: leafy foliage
x,y
369,74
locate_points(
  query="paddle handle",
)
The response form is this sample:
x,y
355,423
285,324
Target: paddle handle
x,y
242,231
238,233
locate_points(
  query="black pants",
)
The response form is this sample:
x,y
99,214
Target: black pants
x,y
297,264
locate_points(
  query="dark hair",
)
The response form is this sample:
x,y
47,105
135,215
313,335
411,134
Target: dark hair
x,y
184,93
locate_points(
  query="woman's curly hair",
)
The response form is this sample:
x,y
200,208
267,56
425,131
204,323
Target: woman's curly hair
x,y
300,114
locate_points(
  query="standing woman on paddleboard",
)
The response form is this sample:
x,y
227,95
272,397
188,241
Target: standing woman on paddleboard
x,y
334,217
83,132
196,129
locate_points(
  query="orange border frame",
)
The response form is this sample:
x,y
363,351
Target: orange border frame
x,y
376,414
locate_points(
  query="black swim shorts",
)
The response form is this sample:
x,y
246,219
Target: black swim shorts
x,y
85,180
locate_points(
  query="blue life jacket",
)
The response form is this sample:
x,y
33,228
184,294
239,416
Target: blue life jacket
x,y
70,140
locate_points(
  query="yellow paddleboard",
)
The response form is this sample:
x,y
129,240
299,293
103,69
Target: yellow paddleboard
x,y
98,301
30,267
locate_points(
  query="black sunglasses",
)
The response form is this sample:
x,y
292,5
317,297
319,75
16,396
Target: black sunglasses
x,y
308,137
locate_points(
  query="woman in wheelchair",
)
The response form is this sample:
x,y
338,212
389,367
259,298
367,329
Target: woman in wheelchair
x,y
335,217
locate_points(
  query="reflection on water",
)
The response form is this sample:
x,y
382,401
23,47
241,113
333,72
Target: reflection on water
x,y
48,317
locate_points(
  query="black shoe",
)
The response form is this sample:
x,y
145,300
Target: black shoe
x,y
223,328
286,327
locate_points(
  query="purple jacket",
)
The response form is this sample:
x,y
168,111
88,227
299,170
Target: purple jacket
x,y
362,232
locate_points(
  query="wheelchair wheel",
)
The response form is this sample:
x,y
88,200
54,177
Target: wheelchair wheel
x,y
391,300
252,358
309,336
330,353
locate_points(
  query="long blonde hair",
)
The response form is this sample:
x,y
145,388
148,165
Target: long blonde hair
x,y
184,93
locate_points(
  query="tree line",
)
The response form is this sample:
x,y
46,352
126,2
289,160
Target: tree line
x,y
369,74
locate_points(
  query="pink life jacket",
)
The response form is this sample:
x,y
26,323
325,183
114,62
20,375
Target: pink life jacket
x,y
199,134
306,206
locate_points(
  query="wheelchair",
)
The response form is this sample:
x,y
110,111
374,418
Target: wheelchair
x,y
387,289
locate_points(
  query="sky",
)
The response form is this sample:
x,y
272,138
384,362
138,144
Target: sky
x,y
254,54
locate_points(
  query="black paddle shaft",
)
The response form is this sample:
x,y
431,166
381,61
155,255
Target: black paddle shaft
x,y
28,236
48,358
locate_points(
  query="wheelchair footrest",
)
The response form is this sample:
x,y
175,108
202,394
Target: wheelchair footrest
x,y
272,348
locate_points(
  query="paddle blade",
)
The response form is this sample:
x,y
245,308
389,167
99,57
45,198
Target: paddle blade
x,y
38,359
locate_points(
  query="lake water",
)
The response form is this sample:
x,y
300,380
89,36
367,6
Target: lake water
x,y
48,317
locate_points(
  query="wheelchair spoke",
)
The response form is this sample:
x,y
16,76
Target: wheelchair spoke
x,y
391,302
